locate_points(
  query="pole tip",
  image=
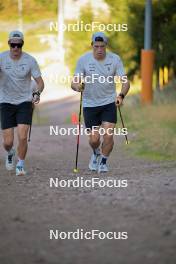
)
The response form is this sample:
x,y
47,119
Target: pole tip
x,y
75,170
128,142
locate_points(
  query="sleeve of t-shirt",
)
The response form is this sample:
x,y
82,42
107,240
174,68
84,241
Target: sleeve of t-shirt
x,y
35,70
119,67
0,61
0,67
79,68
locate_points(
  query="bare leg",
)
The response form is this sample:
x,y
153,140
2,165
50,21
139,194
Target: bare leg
x,y
108,141
94,140
8,137
22,140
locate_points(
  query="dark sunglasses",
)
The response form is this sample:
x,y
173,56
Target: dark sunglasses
x,y
18,45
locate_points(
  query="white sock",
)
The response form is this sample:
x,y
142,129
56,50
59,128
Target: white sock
x,y
11,151
20,163
103,159
103,156
96,151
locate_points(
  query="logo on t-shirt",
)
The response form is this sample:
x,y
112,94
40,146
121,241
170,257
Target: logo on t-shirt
x,y
107,65
8,66
91,67
22,66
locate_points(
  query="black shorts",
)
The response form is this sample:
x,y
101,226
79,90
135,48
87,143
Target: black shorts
x,y
12,115
94,116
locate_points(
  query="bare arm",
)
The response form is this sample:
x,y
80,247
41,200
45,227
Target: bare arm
x,y
40,83
125,87
124,90
76,84
40,87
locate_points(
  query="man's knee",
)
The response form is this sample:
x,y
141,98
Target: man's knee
x,y
22,133
22,138
8,143
94,139
8,138
108,139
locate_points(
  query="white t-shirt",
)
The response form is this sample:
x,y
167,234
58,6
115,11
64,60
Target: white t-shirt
x,y
15,78
101,89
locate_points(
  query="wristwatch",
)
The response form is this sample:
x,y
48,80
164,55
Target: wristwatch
x,y
121,95
36,93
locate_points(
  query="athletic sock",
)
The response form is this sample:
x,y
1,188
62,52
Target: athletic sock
x,y
11,151
103,159
20,163
96,151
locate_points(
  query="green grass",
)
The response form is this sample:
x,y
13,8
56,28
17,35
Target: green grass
x,y
152,128
32,10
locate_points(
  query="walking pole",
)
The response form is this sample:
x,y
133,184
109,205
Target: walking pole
x,y
127,142
30,128
78,137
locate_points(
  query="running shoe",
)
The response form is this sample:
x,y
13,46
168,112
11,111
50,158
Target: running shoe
x,y
93,163
102,166
20,171
10,160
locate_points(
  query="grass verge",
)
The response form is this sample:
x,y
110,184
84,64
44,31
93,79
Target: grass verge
x,y
153,128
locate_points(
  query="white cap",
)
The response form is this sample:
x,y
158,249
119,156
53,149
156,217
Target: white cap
x,y
16,35
101,35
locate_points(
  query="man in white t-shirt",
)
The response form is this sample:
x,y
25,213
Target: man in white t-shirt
x,y
98,70
16,98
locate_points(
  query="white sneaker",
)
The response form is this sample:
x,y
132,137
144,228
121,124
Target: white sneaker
x,y
102,167
20,171
10,160
93,163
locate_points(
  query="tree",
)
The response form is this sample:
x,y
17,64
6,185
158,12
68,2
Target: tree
x,y
78,42
1,5
163,33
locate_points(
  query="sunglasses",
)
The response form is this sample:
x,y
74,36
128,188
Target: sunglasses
x,y
18,45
